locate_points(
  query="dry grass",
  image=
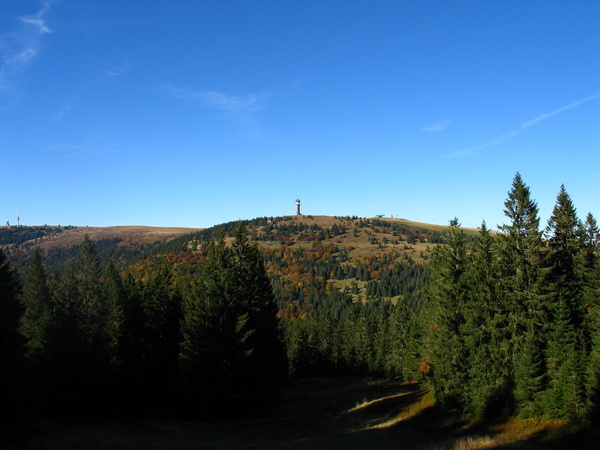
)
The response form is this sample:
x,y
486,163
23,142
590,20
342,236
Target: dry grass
x,y
361,244
138,234
515,430
325,412
471,443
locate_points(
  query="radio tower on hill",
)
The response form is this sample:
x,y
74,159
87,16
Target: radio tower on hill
x,y
298,207
18,218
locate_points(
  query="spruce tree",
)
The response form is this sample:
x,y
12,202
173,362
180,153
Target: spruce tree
x,y
37,308
132,348
528,375
564,280
80,361
230,350
565,272
67,347
404,336
114,295
592,374
10,339
485,322
161,312
591,325
214,335
520,257
266,362
91,304
447,295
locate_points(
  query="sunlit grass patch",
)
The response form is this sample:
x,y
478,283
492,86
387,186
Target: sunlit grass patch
x,y
474,442
392,409
368,403
410,410
515,430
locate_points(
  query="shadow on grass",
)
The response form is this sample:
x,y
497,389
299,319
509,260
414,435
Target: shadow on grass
x,y
332,413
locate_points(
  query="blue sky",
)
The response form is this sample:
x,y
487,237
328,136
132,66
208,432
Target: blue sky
x,y
195,113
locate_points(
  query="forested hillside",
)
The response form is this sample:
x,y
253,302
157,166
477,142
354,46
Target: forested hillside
x,y
496,325
62,243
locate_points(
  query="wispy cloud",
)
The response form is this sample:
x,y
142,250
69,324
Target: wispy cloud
x,y
240,110
233,104
524,126
19,46
115,70
498,140
542,117
62,110
437,127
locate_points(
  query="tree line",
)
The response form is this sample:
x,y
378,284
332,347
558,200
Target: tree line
x,y
508,323
505,323
94,341
513,320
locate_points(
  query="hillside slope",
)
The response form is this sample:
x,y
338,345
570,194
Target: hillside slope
x,y
365,235
61,244
48,236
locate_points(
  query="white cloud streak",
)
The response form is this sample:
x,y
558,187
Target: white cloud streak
x,y
19,46
525,125
437,127
498,140
233,104
542,117
240,110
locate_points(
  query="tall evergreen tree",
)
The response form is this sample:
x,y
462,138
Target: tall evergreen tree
x,y
591,298
66,345
230,349
37,307
447,295
520,253
77,340
132,349
404,336
91,304
10,339
209,329
114,295
485,322
266,365
565,259
528,375
564,280
161,312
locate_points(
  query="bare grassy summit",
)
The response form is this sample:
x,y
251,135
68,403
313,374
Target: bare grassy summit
x,y
135,233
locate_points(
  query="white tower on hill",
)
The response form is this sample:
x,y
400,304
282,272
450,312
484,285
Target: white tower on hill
x,y
297,207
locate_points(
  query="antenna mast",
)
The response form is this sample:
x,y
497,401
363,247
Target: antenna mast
x,y
18,218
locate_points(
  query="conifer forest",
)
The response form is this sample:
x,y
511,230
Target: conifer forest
x,y
494,323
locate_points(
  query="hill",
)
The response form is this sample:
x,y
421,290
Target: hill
x,y
317,264
50,236
61,243
365,236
